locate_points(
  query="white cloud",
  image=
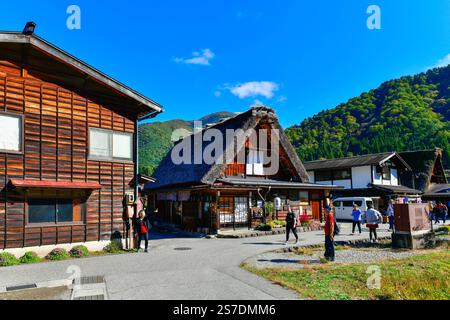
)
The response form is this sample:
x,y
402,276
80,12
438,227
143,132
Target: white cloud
x,y
258,102
202,57
281,99
442,62
218,93
254,88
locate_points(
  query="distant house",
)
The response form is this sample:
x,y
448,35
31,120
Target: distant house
x,y
231,195
374,175
68,143
427,174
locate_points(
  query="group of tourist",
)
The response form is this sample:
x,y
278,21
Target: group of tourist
x,y
438,212
371,217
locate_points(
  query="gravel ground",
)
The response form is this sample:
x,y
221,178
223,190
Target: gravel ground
x,y
289,260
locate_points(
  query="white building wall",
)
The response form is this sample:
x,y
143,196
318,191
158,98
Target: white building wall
x,y
361,177
347,184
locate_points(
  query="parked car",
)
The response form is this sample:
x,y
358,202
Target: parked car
x,y
344,206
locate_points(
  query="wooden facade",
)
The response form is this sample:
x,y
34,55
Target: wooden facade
x,y
56,121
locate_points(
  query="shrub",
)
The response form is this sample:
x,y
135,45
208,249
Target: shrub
x,y
113,247
314,225
58,254
7,260
304,220
278,223
269,207
79,252
264,227
444,229
30,257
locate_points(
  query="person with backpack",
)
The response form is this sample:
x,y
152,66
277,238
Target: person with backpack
x,y
329,229
356,213
373,218
142,227
291,225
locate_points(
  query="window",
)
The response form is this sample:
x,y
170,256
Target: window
x,y
54,211
110,145
324,175
304,198
342,174
255,163
347,204
337,203
385,172
11,132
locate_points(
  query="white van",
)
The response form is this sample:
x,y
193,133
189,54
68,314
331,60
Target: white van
x,y
344,206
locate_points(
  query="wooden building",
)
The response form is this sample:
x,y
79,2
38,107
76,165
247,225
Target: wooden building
x,y
67,146
232,194
375,175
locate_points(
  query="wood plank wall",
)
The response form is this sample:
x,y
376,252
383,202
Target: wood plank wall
x,y
56,146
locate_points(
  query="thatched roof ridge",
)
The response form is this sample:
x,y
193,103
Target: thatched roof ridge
x,y
169,173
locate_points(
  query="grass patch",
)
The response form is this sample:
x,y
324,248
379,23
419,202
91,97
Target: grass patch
x,y
306,251
422,277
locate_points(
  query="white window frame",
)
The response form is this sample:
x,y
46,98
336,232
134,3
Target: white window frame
x,y
255,163
20,117
111,143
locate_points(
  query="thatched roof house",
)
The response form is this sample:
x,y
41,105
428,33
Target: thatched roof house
x,y
427,169
169,174
228,191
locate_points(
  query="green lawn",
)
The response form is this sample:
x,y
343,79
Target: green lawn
x,y
424,276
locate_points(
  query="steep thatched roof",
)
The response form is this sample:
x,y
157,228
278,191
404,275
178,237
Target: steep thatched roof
x,y
171,174
427,169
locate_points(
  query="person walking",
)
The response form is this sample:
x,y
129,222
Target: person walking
x,y
329,233
291,225
373,218
390,214
442,212
142,227
356,213
436,213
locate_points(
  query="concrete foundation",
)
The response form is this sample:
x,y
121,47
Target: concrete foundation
x,y
42,251
414,240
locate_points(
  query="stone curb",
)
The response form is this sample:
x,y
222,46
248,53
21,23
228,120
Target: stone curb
x,y
340,243
252,234
38,285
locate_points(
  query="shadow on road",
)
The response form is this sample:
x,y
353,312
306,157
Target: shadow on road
x,y
265,243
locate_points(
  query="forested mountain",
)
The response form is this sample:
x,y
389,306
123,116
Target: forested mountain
x,y
155,139
409,113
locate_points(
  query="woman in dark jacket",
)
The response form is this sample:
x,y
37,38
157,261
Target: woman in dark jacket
x,y
141,228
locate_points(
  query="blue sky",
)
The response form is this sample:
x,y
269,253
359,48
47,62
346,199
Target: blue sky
x,y
198,57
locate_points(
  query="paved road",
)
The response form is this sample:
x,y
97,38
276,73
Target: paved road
x,y
210,270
